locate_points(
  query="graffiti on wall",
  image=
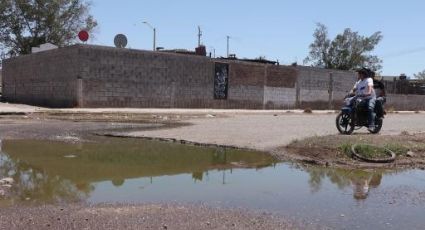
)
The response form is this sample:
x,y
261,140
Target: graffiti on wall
x,y
221,80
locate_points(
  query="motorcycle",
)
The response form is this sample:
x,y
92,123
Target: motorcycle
x,y
353,116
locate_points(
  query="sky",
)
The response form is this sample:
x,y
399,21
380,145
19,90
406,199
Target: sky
x,y
277,29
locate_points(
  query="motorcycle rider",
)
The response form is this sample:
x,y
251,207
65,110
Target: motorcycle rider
x,y
363,89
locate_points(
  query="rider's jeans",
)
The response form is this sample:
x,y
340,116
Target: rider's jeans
x,y
371,111
379,106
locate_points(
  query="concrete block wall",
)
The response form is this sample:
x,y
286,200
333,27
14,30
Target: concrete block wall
x,y
96,76
280,87
129,78
246,85
45,78
322,88
405,102
132,78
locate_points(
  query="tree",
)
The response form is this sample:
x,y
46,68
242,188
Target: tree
x,y
347,51
420,75
30,23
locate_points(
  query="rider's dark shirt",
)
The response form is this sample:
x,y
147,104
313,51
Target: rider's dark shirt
x,y
378,86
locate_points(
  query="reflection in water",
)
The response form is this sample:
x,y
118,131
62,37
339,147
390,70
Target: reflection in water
x,y
45,172
361,181
33,184
134,171
362,185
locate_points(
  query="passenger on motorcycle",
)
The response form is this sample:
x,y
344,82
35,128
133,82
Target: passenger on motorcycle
x,y
379,88
363,89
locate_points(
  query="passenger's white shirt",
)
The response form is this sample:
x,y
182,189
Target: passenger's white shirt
x,y
361,87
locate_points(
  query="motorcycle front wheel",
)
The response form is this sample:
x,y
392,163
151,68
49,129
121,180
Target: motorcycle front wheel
x,y
344,123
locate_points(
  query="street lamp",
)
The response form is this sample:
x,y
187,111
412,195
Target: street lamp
x,y
154,34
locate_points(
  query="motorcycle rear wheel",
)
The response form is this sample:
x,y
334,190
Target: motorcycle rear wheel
x,y
344,124
378,126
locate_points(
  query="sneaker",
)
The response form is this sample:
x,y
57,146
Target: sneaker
x,y
371,128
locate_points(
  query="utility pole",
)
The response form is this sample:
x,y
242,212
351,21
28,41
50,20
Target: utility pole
x,y
199,36
228,38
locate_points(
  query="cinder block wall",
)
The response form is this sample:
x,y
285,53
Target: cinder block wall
x,y
113,77
96,76
45,79
322,88
405,102
132,78
128,78
246,85
280,87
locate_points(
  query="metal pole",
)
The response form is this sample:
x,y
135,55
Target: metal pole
x,y
154,39
228,38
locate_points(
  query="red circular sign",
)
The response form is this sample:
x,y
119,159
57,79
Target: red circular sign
x,y
83,35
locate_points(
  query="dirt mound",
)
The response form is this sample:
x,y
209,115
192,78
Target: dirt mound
x,y
335,150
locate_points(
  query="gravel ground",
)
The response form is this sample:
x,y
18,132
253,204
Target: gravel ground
x,y
152,216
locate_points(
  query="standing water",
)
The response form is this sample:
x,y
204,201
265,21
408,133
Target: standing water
x,y
138,171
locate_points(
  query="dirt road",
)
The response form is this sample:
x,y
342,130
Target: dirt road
x,y
263,130
267,131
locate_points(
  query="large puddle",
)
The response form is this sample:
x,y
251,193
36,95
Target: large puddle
x,y
134,171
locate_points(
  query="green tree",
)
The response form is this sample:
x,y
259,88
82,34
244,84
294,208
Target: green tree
x,y
346,51
420,75
29,23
